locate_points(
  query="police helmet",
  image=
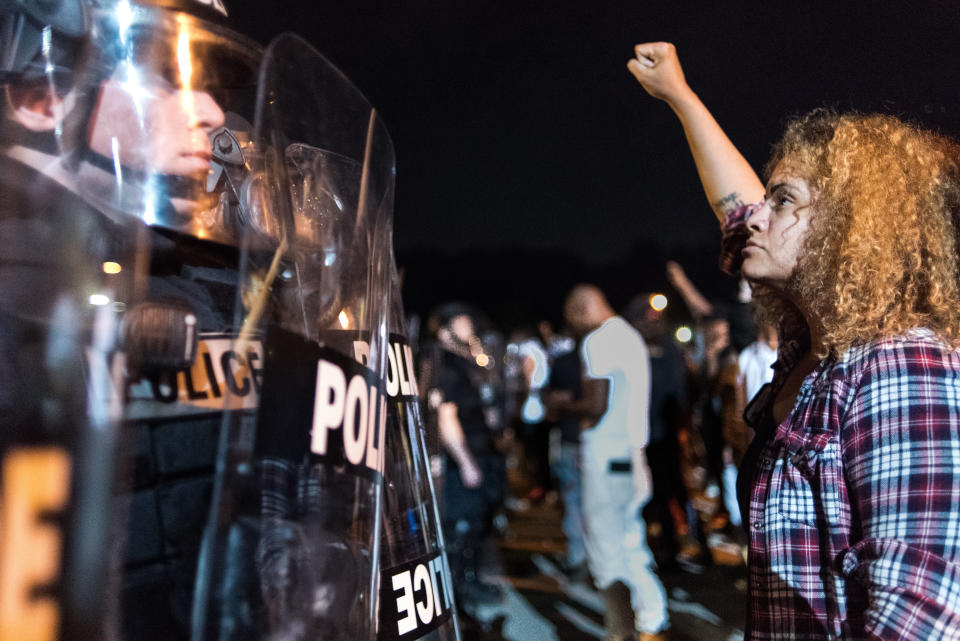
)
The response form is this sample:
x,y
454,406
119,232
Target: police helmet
x,y
162,129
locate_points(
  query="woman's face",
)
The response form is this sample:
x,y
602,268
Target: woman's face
x,y
778,229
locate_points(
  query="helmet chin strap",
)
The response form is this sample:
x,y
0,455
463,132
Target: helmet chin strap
x,y
166,186
12,133
176,186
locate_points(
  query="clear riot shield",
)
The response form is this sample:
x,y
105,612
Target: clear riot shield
x,y
68,274
416,594
161,135
292,546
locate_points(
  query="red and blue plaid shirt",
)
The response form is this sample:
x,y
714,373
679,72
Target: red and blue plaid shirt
x,y
854,499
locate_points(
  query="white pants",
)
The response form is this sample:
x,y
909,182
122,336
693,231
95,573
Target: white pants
x,y
615,534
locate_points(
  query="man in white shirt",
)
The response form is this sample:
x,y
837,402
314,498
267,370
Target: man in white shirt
x,y
616,478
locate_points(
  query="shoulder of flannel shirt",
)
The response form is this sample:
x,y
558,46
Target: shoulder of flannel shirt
x,y
902,425
904,406
734,237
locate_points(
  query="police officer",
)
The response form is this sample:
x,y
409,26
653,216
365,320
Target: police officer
x,y
67,270
470,454
150,139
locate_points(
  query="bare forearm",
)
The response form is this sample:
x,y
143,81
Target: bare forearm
x,y
694,300
586,408
593,403
727,178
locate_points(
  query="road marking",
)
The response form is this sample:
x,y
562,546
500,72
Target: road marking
x,y
581,622
579,592
521,621
583,594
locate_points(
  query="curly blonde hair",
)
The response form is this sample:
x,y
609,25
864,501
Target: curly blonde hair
x,y
881,254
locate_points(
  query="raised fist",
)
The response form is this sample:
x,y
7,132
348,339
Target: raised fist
x,y
658,69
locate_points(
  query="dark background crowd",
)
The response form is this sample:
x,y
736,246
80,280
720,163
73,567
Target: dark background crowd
x,y
559,274
511,387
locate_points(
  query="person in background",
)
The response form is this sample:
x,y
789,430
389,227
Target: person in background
x,y
851,487
566,386
556,344
616,478
756,361
735,310
472,461
711,392
668,415
534,429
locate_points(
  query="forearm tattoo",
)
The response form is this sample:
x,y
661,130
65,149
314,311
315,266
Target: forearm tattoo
x,y
728,203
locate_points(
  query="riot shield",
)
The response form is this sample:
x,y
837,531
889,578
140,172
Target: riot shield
x,y
291,550
161,135
416,594
68,274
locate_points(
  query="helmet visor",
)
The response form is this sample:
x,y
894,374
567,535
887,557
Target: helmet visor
x,y
163,130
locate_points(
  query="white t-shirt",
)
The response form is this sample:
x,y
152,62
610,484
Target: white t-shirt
x,y
616,351
533,410
756,361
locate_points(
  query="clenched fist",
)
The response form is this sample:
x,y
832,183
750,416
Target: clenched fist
x,y
657,68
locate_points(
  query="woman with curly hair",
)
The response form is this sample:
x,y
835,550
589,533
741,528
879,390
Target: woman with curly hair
x,y
851,489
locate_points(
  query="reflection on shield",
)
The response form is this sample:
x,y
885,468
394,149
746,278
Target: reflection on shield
x,y
291,549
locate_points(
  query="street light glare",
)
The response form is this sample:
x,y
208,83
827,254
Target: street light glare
x,y
658,302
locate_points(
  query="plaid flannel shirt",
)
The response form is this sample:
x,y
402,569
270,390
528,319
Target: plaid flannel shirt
x,y
854,499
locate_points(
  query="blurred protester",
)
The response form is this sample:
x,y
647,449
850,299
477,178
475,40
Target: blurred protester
x,y
851,487
755,369
565,387
698,305
736,311
616,478
736,436
556,344
712,398
757,359
714,385
534,430
668,415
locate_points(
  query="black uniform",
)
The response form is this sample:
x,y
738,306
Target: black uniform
x,y
175,445
467,511
667,402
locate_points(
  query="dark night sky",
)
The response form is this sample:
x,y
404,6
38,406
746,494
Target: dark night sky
x,y
517,123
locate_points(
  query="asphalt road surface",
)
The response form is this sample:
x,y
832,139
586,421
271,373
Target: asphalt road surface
x,y
541,603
